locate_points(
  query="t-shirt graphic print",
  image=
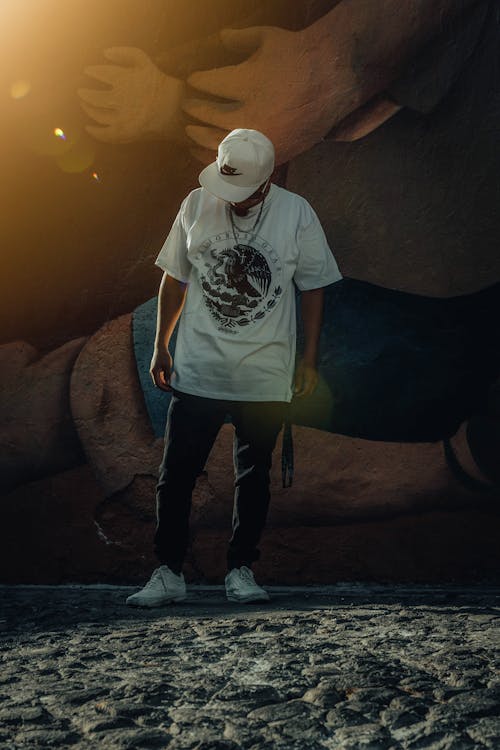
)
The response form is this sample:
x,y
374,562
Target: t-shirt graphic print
x,y
236,338
241,283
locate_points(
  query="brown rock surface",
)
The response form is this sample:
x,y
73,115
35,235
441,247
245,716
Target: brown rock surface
x,y
381,511
358,510
109,411
340,483
37,436
49,534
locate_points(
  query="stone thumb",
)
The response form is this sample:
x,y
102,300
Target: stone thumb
x,y
245,41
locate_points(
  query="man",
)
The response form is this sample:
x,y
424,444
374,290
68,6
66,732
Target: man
x,y
235,252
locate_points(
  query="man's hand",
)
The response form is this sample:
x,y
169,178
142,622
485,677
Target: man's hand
x,y
142,101
161,369
306,373
171,298
306,379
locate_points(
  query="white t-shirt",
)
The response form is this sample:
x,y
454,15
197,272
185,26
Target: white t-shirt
x,y
236,337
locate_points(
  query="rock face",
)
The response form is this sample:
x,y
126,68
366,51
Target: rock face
x,y
66,529
410,343
412,205
108,409
358,509
37,434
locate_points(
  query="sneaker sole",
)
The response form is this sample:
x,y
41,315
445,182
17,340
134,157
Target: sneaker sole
x,y
156,602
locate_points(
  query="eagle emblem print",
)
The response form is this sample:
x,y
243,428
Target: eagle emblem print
x,y
241,283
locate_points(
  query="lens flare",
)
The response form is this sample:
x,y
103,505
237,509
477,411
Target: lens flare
x,y
78,158
59,133
96,177
19,89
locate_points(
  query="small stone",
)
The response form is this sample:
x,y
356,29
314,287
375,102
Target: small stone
x,y
258,695
217,745
323,695
143,738
396,719
280,711
486,731
80,697
24,715
45,738
343,716
366,736
102,725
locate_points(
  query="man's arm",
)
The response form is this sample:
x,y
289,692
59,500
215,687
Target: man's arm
x,y
306,375
171,298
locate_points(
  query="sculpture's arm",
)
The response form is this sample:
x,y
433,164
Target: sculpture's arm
x,y
297,85
294,85
426,79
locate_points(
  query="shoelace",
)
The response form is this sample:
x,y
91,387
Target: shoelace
x,y
247,574
156,574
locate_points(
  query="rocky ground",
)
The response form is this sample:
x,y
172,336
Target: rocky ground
x,y
338,667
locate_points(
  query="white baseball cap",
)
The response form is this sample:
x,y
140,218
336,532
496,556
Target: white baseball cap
x,y
245,159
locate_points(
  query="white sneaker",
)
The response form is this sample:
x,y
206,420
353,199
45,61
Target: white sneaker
x,y
241,586
163,587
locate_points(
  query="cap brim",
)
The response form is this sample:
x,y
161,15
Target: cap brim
x,y
211,179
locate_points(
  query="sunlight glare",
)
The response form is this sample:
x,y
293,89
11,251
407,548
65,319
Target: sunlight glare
x,y
19,89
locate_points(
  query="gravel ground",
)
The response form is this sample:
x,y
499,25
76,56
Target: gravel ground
x,y
346,666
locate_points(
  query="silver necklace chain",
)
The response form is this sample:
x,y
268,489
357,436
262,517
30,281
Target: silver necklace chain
x,y
251,231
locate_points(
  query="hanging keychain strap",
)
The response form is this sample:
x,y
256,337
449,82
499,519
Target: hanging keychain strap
x,y
287,466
